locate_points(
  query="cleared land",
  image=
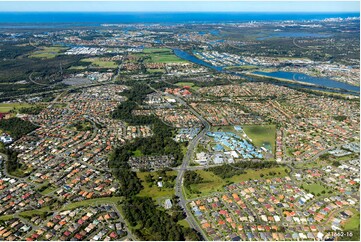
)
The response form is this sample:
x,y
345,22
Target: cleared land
x,y
315,188
353,223
47,52
163,57
213,183
7,107
95,201
77,68
99,63
184,223
154,191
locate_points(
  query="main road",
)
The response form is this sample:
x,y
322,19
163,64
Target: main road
x,y
186,159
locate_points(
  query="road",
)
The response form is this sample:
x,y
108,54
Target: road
x,y
179,180
186,159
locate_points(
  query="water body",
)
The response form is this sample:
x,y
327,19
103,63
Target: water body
x,y
325,82
165,17
319,84
186,56
294,35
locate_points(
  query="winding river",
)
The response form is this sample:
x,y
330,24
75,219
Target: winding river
x,y
315,83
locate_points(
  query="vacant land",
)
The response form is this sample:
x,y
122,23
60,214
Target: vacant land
x,y
7,107
315,188
77,68
91,202
262,135
100,63
163,57
47,52
213,183
353,223
184,223
152,190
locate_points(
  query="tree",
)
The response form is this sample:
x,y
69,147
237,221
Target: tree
x,y
149,178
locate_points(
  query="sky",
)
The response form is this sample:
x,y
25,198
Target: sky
x,y
179,6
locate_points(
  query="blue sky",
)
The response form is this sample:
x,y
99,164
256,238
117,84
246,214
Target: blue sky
x,y
180,6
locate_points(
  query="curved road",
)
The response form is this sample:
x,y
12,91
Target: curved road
x,y
179,180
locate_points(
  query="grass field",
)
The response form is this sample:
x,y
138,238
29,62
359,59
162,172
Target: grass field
x,y
163,57
256,174
95,201
310,165
315,188
47,52
6,217
261,135
184,149
154,191
184,223
59,105
34,212
89,202
213,183
156,70
97,62
77,68
7,107
137,153
353,223
48,189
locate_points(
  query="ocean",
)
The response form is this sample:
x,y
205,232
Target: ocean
x,y
164,18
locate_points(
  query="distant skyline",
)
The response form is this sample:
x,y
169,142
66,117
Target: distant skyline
x,y
180,6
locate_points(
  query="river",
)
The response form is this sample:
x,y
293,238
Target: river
x,y
319,84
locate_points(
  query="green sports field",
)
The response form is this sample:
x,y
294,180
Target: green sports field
x,y
261,135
